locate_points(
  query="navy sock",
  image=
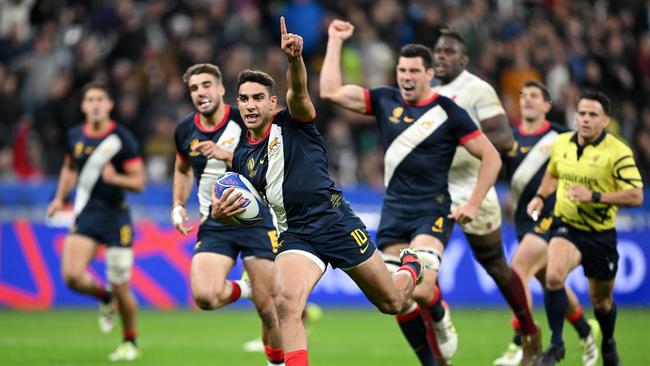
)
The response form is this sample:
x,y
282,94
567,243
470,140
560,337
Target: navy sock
x,y
556,302
414,330
579,323
607,320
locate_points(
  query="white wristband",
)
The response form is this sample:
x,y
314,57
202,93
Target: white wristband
x,y
177,217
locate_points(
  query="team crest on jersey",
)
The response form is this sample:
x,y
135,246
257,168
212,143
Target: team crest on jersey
x,y
227,144
274,145
408,120
397,114
438,225
192,144
78,149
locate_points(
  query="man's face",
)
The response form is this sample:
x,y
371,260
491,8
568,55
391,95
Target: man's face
x,y
413,79
532,104
96,105
206,93
255,104
591,119
448,59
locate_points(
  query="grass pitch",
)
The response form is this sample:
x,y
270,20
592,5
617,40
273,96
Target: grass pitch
x,y
340,338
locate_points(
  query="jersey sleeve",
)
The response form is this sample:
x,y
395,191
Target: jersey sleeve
x,y
462,127
178,141
130,152
373,98
487,103
624,169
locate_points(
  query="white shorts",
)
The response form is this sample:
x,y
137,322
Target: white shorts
x,y
462,180
119,262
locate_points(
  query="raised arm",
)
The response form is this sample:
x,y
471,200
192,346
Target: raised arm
x,y
350,97
300,106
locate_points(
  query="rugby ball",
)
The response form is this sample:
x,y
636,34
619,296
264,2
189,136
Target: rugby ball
x,y
252,202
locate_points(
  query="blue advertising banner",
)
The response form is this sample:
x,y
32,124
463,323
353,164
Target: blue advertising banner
x,y
30,251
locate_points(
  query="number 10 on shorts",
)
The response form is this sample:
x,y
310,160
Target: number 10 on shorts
x,y
361,238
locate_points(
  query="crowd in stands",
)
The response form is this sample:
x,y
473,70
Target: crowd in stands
x,y
49,49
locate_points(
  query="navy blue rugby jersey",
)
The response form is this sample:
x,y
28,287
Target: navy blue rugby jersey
x,y
90,154
289,167
419,142
525,165
227,134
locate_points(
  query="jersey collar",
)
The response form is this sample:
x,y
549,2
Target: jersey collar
x,y
425,102
597,141
266,134
86,131
545,127
197,121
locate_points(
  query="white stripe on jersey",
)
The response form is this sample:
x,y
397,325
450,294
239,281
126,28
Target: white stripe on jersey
x,y
275,177
530,165
408,140
214,169
93,168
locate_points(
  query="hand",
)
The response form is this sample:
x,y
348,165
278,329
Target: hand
x,y
227,206
54,206
580,194
291,43
535,206
464,214
211,151
179,216
109,174
340,29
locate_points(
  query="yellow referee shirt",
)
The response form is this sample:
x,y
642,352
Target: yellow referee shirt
x,y
606,165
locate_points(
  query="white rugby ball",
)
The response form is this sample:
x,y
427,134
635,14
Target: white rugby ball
x,y
253,205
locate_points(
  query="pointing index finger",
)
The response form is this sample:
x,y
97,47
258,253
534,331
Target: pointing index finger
x,y
283,26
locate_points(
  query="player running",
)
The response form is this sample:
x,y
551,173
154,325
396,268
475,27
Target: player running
x,y
103,159
218,244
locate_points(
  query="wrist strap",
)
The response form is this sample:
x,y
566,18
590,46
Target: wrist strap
x,y
540,196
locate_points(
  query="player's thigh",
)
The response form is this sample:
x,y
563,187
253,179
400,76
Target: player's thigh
x,y
208,272
260,273
78,252
374,280
563,257
295,273
530,256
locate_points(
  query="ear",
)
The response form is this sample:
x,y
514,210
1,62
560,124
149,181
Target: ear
x,y
464,60
111,104
221,89
547,107
274,102
430,73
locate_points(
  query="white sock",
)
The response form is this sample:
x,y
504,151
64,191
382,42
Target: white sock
x,y
275,364
246,290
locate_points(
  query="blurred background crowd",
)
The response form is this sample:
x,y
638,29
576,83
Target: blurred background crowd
x,y
50,48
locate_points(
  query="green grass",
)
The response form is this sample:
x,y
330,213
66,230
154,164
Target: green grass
x,y
340,338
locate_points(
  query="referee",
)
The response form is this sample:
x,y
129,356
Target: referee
x,y
593,173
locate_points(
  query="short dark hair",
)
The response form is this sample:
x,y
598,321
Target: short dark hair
x,y
447,31
598,97
201,69
417,50
256,76
96,85
539,85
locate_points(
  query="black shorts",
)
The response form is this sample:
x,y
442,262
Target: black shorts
x,y
401,227
258,241
541,228
598,249
106,226
345,245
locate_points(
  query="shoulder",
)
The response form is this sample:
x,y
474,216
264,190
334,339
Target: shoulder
x,y
565,137
185,125
617,145
475,83
75,131
559,128
124,132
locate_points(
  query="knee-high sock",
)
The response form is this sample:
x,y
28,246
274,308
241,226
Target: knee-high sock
x,y
607,321
556,302
414,328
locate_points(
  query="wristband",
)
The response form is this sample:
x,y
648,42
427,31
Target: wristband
x,y
538,195
595,197
177,218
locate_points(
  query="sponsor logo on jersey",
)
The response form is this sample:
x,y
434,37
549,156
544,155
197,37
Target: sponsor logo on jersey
x,y
227,144
78,149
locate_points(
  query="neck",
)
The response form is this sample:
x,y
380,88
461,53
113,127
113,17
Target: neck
x,y
426,96
258,133
583,140
211,121
99,126
532,125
